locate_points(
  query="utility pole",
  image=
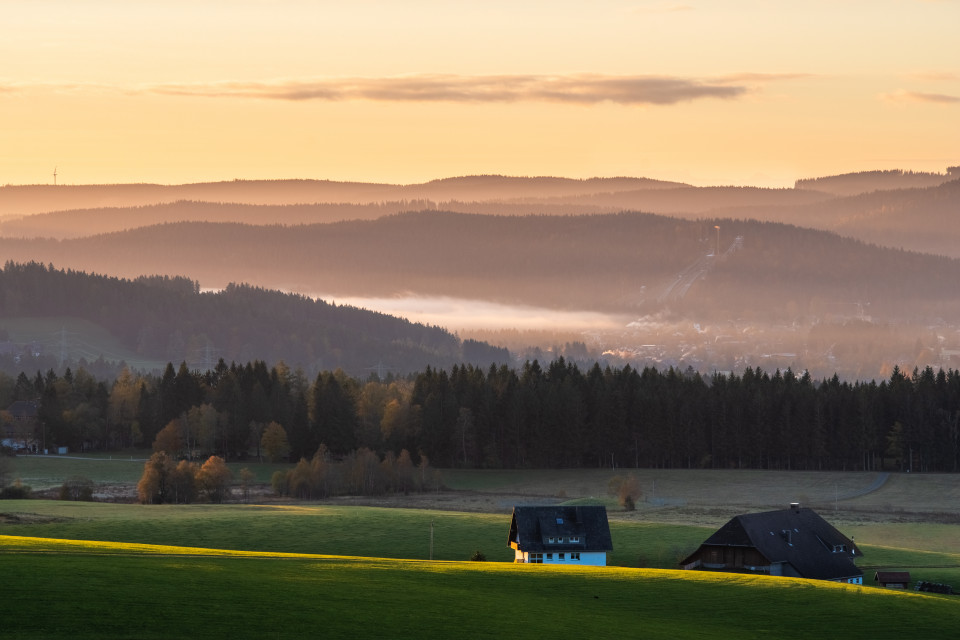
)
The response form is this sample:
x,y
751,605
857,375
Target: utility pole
x,y
717,252
431,539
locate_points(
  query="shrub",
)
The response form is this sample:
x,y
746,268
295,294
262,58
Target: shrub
x,y
77,488
16,491
478,556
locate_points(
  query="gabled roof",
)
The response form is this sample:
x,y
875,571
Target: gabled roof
x,y
23,409
892,576
795,536
532,527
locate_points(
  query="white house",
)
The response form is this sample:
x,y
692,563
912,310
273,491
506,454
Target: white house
x,y
560,535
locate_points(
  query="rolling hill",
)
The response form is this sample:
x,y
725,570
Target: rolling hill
x,y
624,262
171,320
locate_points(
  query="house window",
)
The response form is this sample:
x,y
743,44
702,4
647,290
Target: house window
x,y
551,540
575,555
574,539
536,558
560,557
559,520
839,548
549,556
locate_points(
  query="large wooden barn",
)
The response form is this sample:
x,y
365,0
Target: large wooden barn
x,y
791,542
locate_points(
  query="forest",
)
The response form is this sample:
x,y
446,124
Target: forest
x,y
552,416
616,263
169,318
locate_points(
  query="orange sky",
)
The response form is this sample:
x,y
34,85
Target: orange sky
x,y
733,92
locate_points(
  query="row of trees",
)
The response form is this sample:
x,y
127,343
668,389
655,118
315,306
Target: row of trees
x,y
167,480
501,417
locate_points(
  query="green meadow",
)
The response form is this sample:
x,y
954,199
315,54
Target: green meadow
x,y
66,589
329,530
289,570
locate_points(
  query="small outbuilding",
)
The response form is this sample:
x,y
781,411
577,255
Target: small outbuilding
x,y
892,579
560,535
792,542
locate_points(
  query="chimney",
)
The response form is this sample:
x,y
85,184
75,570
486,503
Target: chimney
x,y
795,507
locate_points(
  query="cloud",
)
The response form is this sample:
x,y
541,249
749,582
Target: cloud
x,y
582,89
918,96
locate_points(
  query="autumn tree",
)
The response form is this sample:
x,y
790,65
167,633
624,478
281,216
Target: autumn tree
x,y
627,490
169,440
274,442
183,482
214,479
154,485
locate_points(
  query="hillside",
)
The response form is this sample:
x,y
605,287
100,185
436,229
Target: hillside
x,y
625,262
849,184
917,212
170,319
29,199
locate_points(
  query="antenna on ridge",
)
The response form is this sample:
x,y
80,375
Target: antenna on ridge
x,y
54,176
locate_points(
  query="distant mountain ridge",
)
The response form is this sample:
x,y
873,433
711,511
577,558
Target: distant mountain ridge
x,y
29,199
893,213
851,184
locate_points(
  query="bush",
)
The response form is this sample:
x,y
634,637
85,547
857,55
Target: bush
x,y
77,488
478,556
16,491
627,490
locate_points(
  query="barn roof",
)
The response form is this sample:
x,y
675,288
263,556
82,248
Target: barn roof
x,y
892,576
532,528
799,537
23,409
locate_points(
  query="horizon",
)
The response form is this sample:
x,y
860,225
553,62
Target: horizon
x,y
743,94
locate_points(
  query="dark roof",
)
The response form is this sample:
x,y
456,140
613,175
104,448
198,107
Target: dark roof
x,y
892,576
799,537
531,527
23,409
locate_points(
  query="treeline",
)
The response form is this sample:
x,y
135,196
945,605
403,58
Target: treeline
x,y
169,319
865,181
530,417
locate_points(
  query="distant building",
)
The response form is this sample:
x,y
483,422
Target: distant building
x,y
19,431
560,535
791,542
893,579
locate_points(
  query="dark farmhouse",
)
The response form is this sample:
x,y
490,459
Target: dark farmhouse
x,y
560,535
18,426
793,542
892,579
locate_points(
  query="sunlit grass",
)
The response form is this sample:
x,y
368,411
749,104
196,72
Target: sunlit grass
x,y
96,589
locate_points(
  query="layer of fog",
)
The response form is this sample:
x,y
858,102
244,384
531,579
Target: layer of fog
x,y
460,314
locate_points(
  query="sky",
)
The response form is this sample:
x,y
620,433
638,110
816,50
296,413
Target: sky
x,y
754,92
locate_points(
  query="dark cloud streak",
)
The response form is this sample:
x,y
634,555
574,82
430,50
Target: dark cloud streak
x,y
583,89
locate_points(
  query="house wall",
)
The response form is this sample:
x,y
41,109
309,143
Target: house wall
x,y
589,558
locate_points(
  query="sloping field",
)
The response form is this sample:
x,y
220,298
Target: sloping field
x,y
78,590
74,338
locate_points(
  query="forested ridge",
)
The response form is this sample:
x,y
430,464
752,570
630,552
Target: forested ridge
x,y
599,262
530,417
161,316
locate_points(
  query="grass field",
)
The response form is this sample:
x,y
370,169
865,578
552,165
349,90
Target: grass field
x,y
101,590
102,570
80,338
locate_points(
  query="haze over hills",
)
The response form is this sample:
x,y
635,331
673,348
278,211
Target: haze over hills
x,y
170,319
784,282
919,218
28,199
621,263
